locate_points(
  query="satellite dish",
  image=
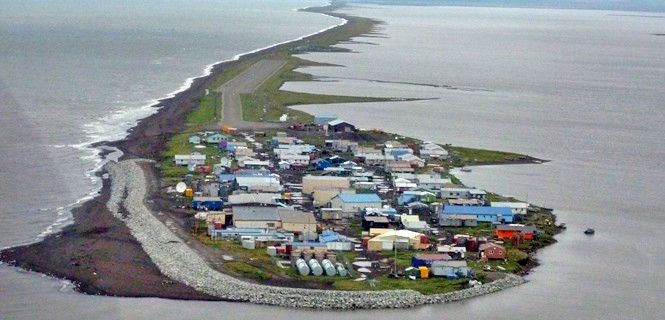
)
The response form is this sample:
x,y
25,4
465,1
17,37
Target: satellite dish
x,y
180,187
224,161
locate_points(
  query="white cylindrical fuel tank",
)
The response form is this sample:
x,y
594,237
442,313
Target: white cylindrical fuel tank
x,y
315,267
302,267
328,267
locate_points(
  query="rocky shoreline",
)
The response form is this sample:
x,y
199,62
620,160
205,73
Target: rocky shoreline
x,y
180,262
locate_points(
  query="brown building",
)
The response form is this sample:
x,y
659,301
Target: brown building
x,y
492,251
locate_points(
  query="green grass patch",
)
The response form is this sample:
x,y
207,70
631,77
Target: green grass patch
x,y
247,270
276,101
179,144
461,156
208,112
484,229
424,286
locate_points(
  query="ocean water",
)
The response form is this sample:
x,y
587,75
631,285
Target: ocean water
x,y
72,74
580,88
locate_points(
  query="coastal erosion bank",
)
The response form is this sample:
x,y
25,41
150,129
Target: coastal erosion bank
x,y
100,256
180,262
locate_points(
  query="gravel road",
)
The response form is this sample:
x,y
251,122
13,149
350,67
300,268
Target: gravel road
x,y
246,82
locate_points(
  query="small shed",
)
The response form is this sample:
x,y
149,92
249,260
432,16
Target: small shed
x,y
194,139
284,165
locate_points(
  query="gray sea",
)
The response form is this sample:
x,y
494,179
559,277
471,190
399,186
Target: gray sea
x,y
581,88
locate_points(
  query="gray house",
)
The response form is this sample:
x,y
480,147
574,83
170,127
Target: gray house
x,y
216,138
455,193
458,220
446,268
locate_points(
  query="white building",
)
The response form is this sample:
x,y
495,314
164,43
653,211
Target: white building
x,y
259,183
377,159
431,181
455,193
516,207
301,159
430,150
414,160
187,159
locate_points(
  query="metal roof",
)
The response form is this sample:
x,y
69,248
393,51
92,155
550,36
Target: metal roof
x,y
359,198
476,210
377,219
263,198
336,122
515,205
190,156
477,191
294,216
449,263
521,228
255,213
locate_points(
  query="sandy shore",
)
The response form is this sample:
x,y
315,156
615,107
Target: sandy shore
x,y
99,254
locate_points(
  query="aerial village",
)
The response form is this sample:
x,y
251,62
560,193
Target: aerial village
x,y
330,200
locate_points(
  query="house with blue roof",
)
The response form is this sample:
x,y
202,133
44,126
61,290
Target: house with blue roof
x,y
482,214
353,203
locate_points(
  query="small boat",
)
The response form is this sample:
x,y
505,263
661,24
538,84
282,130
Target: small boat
x,y
589,231
563,226
465,169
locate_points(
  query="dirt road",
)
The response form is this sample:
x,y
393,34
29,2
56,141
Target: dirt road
x,y
246,82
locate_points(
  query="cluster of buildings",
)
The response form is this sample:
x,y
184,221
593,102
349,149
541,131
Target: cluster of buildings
x,y
295,198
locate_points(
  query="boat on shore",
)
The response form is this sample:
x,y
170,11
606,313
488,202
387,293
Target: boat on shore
x,y
589,231
465,169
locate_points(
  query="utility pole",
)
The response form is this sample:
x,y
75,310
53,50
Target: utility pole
x,y
395,261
